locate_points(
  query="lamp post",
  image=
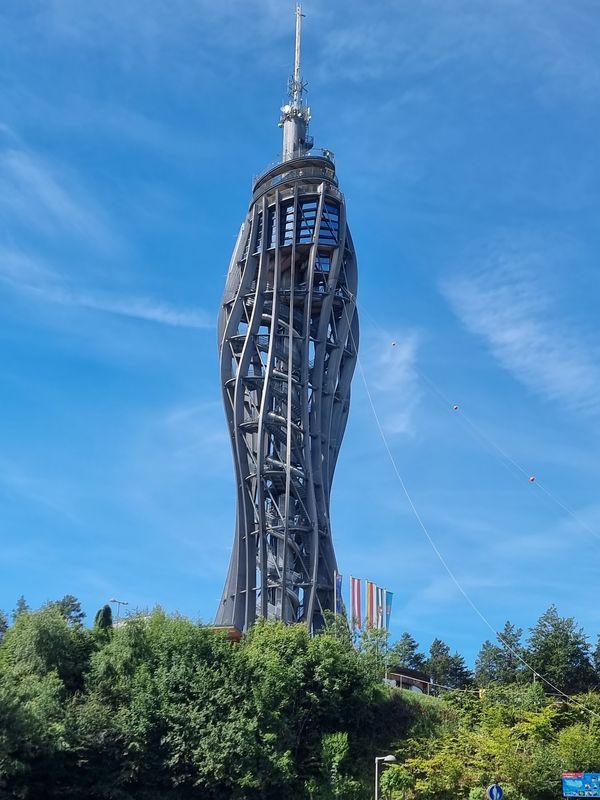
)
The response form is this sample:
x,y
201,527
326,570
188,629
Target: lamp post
x,y
386,760
119,603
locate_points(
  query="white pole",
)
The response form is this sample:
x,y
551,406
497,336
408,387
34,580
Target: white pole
x,y
386,760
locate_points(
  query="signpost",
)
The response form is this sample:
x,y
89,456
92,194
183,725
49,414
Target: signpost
x,y
494,792
581,784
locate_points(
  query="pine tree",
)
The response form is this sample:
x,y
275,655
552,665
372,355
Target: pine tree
x,y
486,664
510,664
500,664
70,608
559,651
459,674
439,662
405,654
446,669
21,608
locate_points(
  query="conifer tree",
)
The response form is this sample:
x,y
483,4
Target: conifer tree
x,y
103,620
405,654
500,663
69,607
558,650
446,669
21,608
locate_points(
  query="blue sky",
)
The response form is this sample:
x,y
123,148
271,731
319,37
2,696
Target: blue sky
x,y
465,136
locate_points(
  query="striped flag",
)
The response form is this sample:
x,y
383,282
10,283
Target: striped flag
x,y
380,608
355,604
371,591
389,596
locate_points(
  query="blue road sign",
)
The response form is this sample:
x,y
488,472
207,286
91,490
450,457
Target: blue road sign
x,y
495,792
581,784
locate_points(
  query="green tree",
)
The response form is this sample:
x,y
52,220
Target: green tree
x,y
559,651
69,607
405,654
438,663
579,747
41,643
334,782
459,676
445,669
501,663
103,621
3,624
21,607
486,664
43,661
336,625
373,647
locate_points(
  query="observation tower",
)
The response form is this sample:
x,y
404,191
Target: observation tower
x,y
287,336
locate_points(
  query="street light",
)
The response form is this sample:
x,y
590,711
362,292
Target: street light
x,y
119,604
386,760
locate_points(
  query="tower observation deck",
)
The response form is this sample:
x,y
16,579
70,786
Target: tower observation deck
x,y
287,336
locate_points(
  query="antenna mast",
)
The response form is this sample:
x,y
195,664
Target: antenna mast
x,y
295,116
297,80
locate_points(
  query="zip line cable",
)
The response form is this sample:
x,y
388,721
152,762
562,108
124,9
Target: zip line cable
x,y
507,458
436,550
476,431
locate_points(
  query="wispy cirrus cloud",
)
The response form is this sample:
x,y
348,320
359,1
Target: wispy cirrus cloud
x,y
557,44
389,365
47,199
49,492
35,281
507,303
140,308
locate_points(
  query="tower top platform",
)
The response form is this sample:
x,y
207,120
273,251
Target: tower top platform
x,y
317,166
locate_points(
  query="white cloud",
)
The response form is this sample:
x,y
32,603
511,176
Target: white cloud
x,y
140,308
139,34
33,279
555,43
508,303
47,199
389,364
48,492
50,201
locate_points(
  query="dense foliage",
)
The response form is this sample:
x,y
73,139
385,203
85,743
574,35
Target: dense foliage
x,y
517,735
161,707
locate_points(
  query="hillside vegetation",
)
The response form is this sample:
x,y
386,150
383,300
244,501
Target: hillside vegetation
x,y
161,707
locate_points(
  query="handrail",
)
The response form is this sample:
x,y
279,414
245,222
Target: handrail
x,y
316,152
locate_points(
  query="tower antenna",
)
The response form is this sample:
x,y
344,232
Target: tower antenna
x,y
295,116
297,86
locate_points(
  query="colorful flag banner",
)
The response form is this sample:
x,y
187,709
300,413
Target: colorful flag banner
x,y
380,597
371,592
339,603
389,596
355,604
